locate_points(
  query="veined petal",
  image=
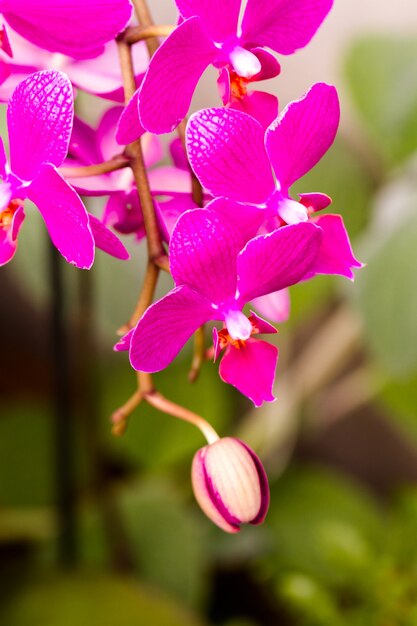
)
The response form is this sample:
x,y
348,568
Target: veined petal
x,y
39,119
258,104
283,25
74,27
272,262
303,133
315,201
65,216
220,18
166,326
251,369
335,255
226,151
172,76
246,218
129,127
203,251
275,306
106,240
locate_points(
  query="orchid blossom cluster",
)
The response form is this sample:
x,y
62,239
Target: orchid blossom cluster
x,y
220,218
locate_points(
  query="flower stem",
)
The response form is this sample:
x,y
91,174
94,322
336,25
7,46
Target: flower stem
x,y
157,400
145,20
116,163
133,34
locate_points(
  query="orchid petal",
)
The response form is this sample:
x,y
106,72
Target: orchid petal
x,y
3,160
281,25
107,241
8,237
226,151
39,118
315,201
74,27
260,105
83,144
260,325
251,369
123,212
272,262
65,216
246,218
220,18
203,251
275,306
270,66
169,211
123,345
303,133
166,326
129,127
335,255
173,73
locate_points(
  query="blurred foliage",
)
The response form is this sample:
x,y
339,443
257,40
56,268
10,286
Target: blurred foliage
x,y
381,73
87,599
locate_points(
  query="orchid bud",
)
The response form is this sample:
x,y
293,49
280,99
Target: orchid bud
x,y
230,484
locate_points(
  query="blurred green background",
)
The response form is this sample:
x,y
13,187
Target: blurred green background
x,y
127,544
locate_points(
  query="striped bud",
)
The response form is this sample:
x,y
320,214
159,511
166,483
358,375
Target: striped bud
x,y
230,484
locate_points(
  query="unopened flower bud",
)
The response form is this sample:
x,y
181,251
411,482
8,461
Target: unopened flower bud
x,y
230,484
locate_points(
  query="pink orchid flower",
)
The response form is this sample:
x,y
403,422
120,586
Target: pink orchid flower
x,y
78,28
215,275
39,120
250,171
100,76
209,33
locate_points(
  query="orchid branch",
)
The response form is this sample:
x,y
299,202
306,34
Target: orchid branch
x,y
118,162
134,34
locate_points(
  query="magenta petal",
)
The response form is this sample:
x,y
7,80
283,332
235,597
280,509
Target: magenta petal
x,y
275,306
315,201
226,151
123,345
8,237
129,127
335,255
303,133
258,104
261,326
269,64
246,218
106,240
251,369
39,118
169,211
3,160
166,326
283,25
5,42
74,27
272,262
203,251
219,17
65,216
172,76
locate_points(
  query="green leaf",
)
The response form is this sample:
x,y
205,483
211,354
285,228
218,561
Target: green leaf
x,y
167,541
88,599
387,298
381,73
323,526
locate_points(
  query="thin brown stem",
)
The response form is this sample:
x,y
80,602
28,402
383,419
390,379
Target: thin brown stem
x,y
145,298
121,415
198,356
134,34
145,20
161,403
117,163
